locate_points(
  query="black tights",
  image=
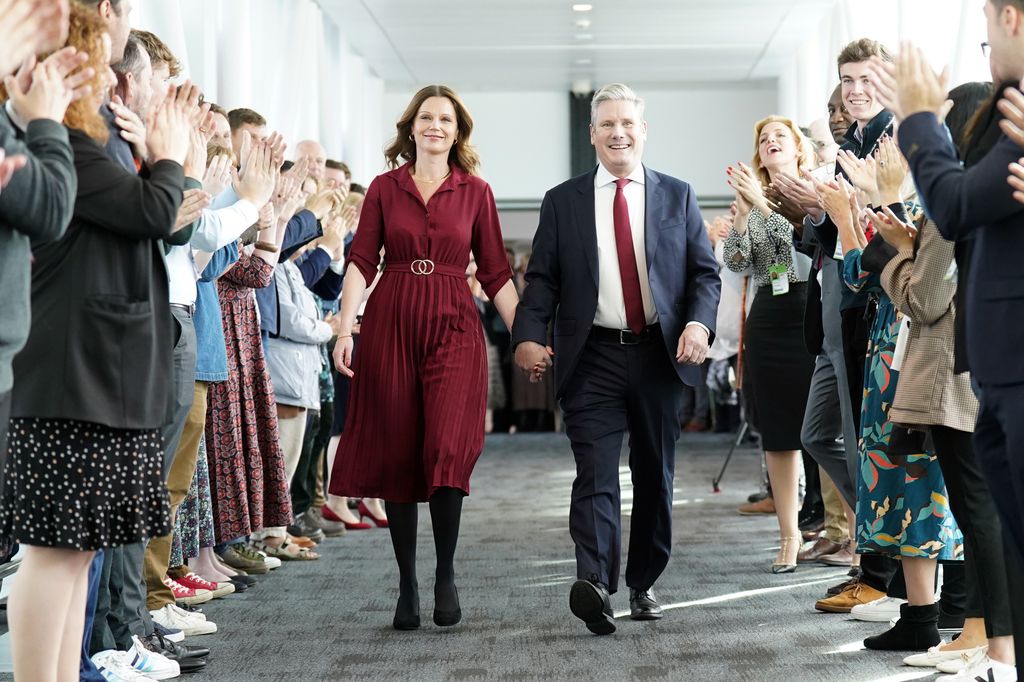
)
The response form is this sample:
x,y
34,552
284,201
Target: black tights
x,y
445,515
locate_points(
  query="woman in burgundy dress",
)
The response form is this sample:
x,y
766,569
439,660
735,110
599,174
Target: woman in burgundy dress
x,y
415,426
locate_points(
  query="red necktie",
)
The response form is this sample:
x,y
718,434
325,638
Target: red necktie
x,y
636,320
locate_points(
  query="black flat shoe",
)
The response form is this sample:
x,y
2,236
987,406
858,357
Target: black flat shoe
x,y
643,605
407,613
590,603
449,597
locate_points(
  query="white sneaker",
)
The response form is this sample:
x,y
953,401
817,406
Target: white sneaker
x,y
984,668
185,613
150,663
113,667
879,611
272,562
966,660
934,656
169,617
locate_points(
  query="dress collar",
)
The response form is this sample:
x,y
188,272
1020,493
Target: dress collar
x,y
605,177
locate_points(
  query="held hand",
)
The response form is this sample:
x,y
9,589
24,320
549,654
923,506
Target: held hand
x,y
693,345
343,356
133,131
533,359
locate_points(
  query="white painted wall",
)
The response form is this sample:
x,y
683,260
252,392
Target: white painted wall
x,y
523,137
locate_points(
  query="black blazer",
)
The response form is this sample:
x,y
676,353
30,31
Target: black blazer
x,y
561,281
102,337
977,202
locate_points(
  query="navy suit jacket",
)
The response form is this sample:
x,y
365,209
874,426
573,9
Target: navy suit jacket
x,y
562,278
977,201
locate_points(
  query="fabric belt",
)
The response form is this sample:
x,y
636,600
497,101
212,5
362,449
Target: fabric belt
x,y
625,337
189,310
424,267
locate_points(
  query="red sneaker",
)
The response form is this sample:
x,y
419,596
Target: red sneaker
x,y
195,582
187,595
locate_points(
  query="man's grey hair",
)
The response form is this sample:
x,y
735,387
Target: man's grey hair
x,y
616,92
132,62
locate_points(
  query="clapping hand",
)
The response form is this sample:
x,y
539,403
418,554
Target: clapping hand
x,y
861,172
218,175
1016,179
784,206
891,170
748,187
192,206
133,130
894,231
9,165
258,175
909,85
20,22
1011,106
39,91
168,129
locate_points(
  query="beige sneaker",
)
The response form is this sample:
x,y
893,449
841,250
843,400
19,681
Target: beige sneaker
x,y
765,506
848,598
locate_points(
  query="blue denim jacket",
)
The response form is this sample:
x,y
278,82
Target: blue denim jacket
x,y
211,351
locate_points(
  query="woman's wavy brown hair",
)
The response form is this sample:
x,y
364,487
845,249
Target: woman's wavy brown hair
x,y
86,34
403,147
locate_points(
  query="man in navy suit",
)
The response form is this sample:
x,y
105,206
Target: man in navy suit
x,y
623,265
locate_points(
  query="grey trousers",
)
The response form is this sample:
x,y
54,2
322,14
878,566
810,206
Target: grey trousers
x,y
828,432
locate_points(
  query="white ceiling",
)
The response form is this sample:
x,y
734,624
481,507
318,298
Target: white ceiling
x,y
536,44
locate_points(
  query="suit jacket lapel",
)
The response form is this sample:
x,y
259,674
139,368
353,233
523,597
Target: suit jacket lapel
x,y
653,209
586,222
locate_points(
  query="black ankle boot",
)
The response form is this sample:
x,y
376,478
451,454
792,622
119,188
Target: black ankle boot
x,y
447,611
916,630
407,613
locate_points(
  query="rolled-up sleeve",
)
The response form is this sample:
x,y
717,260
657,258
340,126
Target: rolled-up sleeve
x,y
489,247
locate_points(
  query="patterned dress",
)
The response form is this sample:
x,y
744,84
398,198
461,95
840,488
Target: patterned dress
x,y
902,509
193,524
248,485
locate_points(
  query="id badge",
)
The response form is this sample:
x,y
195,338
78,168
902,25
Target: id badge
x,y
838,255
780,279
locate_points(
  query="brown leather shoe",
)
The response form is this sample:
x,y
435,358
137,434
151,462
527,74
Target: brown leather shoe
x,y
842,557
820,548
765,506
848,598
696,425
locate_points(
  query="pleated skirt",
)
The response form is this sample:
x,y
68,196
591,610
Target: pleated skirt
x,y
416,407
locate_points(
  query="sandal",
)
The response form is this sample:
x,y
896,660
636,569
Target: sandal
x,y
302,541
289,551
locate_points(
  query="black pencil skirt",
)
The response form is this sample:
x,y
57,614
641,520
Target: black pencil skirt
x,y
779,365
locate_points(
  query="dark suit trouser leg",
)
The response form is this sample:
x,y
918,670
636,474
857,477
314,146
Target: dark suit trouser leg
x,y
101,638
594,405
999,442
655,393
86,670
822,431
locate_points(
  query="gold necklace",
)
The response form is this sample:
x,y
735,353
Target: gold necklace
x,y
432,182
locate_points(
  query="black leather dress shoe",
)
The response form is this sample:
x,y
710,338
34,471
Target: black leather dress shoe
x,y
643,605
591,603
175,651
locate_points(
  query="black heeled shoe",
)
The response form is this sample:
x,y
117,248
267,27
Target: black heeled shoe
x,y
407,616
449,616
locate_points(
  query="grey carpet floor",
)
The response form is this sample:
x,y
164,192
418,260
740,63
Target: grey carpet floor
x,y
727,617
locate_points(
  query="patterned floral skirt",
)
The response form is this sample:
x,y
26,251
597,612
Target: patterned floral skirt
x,y
193,525
83,486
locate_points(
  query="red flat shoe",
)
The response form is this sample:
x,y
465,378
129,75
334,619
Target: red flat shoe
x,y
364,512
331,516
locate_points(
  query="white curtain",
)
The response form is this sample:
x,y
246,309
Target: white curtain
x,y
949,31
284,59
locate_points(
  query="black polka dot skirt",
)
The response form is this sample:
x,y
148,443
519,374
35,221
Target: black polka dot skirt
x,y
84,486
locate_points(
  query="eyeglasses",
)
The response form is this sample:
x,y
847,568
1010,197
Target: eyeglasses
x,y
986,49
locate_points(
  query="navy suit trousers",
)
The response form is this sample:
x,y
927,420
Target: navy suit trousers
x,y
617,388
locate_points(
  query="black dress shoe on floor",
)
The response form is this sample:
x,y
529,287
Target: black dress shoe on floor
x,y
447,610
643,605
175,651
591,603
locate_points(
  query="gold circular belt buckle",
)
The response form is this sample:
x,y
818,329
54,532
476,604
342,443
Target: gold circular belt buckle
x,y
422,266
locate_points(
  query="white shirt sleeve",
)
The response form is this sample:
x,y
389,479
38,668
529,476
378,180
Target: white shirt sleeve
x,y
219,227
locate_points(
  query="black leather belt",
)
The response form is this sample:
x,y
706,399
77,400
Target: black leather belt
x,y
189,310
625,337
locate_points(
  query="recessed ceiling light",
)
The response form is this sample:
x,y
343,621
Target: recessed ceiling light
x,y
584,62
582,7
583,23
584,36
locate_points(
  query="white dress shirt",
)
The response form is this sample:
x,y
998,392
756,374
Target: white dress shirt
x,y
611,305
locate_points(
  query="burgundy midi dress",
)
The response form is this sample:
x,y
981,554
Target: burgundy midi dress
x,y
416,411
